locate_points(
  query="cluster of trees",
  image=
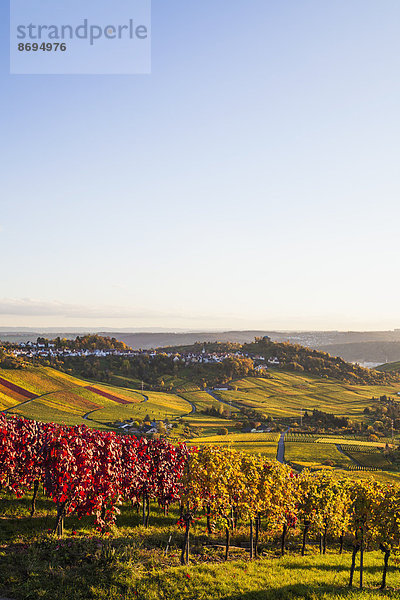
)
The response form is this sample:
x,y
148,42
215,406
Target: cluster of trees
x,y
9,361
89,472
85,342
150,370
319,418
301,359
209,347
155,371
220,412
297,358
385,411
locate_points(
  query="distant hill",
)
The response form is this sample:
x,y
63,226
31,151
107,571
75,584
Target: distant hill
x,y
294,357
375,347
376,353
389,367
311,339
161,340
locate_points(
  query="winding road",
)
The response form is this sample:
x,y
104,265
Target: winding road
x,y
280,457
27,402
194,409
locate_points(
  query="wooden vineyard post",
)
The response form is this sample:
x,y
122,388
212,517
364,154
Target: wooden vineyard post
x,y
34,497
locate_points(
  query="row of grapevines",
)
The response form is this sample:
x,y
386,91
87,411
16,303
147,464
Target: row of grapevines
x,y
87,472
230,485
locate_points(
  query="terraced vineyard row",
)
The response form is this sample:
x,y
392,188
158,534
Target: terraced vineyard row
x,y
42,393
300,437
356,448
290,394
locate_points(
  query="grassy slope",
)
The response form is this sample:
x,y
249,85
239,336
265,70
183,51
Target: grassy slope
x,y
209,423
133,565
388,367
314,455
9,399
64,399
253,443
283,395
287,393
159,406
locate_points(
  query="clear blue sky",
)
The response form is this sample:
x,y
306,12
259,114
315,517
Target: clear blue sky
x,y
252,180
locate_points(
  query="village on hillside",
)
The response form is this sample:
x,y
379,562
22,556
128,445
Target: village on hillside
x,y
46,349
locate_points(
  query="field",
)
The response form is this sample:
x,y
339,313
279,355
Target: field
x,y
343,454
287,394
265,444
209,424
284,395
366,457
157,405
9,397
135,564
72,401
315,455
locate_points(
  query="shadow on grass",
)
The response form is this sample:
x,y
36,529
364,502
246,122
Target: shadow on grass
x,y
300,591
16,522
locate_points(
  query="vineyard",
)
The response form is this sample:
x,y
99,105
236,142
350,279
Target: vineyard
x,y
287,394
223,502
45,394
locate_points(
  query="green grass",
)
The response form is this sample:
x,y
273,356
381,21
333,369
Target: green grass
x,y
209,423
253,443
314,455
300,437
252,438
203,400
110,575
132,563
267,450
160,405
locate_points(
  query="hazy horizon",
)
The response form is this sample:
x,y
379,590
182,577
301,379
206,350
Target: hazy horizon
x,y
161,330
